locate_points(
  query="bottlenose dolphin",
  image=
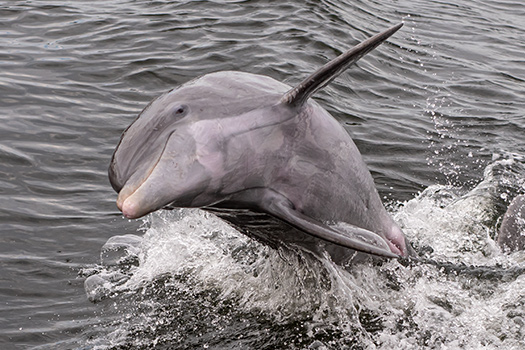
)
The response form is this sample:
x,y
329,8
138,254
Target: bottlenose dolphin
x,y
261,155
511,235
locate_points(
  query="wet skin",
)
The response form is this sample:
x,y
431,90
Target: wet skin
x,y
261,155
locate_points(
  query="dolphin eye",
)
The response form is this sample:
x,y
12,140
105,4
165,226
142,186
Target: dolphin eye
x,y
180,111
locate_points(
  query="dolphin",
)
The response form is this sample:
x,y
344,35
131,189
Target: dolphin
x,y
264,157
511,235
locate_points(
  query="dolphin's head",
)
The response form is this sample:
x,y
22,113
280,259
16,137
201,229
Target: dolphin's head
x,y
173,153
156,161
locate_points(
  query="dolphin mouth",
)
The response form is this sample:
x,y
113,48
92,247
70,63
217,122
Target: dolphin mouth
x,y
129,211
129,208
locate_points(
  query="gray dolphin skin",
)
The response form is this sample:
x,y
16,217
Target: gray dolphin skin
x,y
511,235
262,156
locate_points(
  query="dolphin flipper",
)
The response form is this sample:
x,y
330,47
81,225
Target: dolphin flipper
x,y
324,75
354,237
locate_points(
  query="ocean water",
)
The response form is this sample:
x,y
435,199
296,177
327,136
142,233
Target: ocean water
x,y
438,112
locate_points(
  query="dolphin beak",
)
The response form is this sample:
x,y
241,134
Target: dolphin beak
x,y
130,198
130,209
130,201
173,177
144,192
134,202
129,175
127,205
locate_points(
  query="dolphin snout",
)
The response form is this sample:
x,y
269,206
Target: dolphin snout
x,y
131,201
129,209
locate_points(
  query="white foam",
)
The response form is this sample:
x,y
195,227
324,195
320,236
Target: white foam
x,y
418,306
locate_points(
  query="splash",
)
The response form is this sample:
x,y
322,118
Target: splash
x,y
193,280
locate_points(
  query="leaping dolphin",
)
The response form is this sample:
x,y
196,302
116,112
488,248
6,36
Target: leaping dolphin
x,y
261,155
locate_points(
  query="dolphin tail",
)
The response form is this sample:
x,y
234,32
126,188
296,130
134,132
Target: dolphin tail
x,y
324,75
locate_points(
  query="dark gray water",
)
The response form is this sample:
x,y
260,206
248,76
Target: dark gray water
x,y
438,113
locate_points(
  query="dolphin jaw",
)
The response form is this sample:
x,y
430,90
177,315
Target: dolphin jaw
x,y
128,200
130,209
133,204
127,203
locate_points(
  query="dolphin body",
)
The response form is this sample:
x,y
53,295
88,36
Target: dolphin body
x,y
262,156
511,235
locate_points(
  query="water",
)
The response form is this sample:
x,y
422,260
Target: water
x,y
437,113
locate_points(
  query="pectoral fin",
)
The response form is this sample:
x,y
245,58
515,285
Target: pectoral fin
x,y
351,236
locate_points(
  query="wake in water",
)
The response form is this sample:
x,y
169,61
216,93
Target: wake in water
x,y
193,281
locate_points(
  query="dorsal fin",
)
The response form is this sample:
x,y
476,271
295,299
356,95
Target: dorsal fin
x,y
324,75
